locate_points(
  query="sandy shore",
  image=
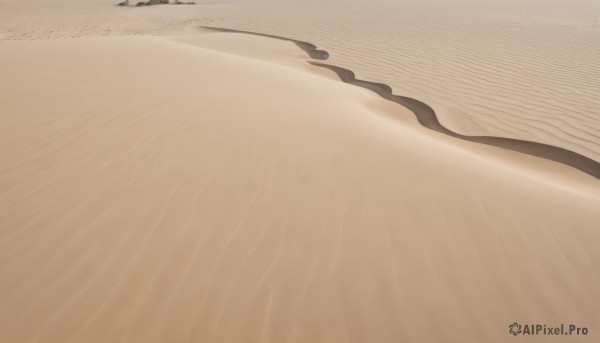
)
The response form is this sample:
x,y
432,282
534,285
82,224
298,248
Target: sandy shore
x,y
193,186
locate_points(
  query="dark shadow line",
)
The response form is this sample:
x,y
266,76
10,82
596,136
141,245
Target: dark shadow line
x,y
310,49
427,117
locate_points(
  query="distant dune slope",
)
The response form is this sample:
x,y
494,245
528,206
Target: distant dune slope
x,y
518,69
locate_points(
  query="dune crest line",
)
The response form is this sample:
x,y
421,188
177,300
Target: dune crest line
x,y
427,117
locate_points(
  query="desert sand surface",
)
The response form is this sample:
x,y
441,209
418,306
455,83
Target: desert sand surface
x,y
163,183
523,69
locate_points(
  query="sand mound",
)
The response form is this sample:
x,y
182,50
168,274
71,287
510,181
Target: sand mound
x,y
218,188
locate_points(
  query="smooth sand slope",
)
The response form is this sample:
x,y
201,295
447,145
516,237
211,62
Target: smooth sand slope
x,y
216,187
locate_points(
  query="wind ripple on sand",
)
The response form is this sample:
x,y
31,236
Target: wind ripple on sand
x,y
148,206
428,118
527,72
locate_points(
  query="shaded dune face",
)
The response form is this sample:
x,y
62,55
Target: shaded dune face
x,y
218,188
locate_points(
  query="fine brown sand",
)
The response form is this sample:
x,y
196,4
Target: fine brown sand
x,y
193,186
521,69
428,118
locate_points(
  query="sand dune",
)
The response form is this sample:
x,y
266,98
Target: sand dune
x,y
194,193
170,184
428,118
525,70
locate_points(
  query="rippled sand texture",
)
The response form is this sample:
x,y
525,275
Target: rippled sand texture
x,y
218,188
189,186
519,69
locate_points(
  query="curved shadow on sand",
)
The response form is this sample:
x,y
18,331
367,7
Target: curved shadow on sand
x,y
427,117
310,49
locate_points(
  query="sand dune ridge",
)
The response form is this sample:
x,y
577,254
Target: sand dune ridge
x,y
428,118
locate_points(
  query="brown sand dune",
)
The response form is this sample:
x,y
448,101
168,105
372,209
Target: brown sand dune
x,y
189,187
525,70
218,188
427,117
